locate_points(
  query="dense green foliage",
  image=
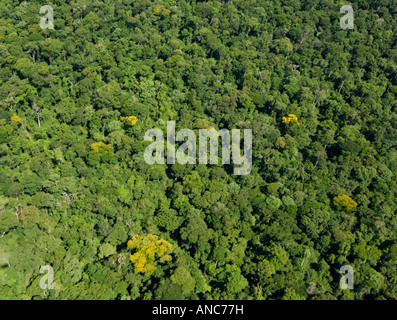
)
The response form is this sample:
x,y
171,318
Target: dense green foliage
x,y
74,186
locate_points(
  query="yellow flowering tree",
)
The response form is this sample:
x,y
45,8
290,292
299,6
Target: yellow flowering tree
x,y
147,249
291,119
15,118
344,201
130,119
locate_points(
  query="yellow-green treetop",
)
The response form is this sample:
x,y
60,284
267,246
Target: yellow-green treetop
x,y
101,148
161,9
